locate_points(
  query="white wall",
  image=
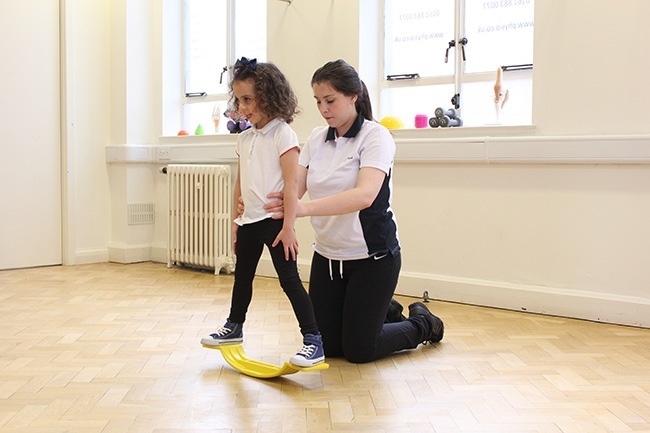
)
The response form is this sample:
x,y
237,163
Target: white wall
x,y
544,226
88,121
590,58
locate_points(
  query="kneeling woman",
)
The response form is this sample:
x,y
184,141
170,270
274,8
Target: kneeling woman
x,y
346,167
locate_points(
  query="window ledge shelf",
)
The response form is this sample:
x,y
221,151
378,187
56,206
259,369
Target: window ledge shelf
x,y
524,149
417,148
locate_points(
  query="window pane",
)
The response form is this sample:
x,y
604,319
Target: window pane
x,y
205,45
478,107
207,114
250,29
499,33
417,34
406,102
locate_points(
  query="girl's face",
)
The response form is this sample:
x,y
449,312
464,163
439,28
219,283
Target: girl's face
x,y
244,91
336,108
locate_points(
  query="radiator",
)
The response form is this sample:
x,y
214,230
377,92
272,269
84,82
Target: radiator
x,y
200,208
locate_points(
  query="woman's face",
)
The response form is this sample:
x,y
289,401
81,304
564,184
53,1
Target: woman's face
x,y
244,91
336,108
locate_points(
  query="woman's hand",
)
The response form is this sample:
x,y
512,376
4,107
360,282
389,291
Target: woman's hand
x,y
240,207
276,207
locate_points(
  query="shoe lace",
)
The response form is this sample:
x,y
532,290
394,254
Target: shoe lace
x,y
221,332
307,350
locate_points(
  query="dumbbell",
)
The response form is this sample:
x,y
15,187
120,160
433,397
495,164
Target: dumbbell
x,y
452,113
434,122
446,121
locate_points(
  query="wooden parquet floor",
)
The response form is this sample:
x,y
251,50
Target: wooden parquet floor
x,y
115,348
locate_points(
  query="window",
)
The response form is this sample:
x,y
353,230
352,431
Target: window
x,y
215,34
436,51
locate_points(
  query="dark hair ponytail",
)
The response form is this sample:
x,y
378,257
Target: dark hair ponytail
x,y
363,102
345,79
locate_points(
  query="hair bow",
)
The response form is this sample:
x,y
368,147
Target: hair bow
x,y
246,63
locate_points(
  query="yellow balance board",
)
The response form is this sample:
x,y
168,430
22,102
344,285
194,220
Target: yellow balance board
x,y
235,356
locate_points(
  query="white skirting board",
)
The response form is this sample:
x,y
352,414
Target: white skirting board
x,y
121,253
598,307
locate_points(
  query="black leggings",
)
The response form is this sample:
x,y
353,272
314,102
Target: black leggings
x,y
350,300
251,239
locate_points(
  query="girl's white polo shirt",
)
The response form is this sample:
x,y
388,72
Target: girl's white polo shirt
x,y
333,165
260,172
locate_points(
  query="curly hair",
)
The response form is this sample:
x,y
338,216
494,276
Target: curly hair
x,y
273,93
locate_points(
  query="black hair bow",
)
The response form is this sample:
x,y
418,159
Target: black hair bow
x,y
246,63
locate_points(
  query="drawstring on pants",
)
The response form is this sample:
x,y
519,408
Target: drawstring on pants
x,y
340,269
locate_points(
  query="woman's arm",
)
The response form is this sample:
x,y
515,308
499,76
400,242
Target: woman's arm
x,y
369,183
360,197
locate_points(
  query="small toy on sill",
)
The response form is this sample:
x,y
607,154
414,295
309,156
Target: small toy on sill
x,y
236,124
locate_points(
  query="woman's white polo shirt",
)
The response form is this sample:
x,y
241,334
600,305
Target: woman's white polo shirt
x,y
333,165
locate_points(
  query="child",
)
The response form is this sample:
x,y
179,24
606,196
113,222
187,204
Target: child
x,y
268,161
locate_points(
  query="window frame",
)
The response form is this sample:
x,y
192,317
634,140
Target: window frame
x,y
175,102
459,77
230,56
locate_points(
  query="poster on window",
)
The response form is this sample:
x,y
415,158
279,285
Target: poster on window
x,y
417,33
499,33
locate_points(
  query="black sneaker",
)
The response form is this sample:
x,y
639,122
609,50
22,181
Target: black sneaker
x,y
394,313
435,324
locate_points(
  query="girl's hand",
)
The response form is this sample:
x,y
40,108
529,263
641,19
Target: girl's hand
x,y
289,243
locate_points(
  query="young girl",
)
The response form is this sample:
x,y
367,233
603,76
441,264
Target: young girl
x,y
268,161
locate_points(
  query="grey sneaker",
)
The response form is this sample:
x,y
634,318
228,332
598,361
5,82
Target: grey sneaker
x,y
312,352
230,333
437,328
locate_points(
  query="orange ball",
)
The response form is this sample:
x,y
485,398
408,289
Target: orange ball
x,y
183,132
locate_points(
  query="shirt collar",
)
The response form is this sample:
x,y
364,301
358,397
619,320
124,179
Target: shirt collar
x,y
268,127
352,132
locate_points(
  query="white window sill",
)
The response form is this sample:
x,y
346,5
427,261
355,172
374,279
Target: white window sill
x,y
490,145
517,145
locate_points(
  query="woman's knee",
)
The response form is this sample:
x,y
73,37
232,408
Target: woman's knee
x,y
357,354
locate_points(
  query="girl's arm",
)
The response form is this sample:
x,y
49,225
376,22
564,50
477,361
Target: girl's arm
x,y
302,181
276,206
236,195
289,164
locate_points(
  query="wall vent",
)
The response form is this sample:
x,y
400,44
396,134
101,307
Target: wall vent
x,y
141,213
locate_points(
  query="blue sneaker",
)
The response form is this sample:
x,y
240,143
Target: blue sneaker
x,y
312,352
230,333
